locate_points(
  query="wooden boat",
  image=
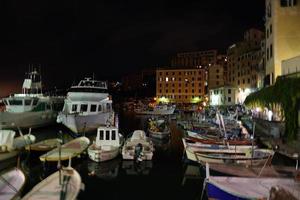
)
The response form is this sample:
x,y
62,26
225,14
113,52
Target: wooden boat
x,y
51,189
71,149
191,148
159,129
44,145
253,171
12,182
260,157
232,188
222,142
138,147
107,144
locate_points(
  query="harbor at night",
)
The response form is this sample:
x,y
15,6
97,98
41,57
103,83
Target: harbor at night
x,y
150,100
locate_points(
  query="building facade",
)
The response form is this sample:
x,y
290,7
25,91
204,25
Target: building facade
x,y
194,59
244,59
282,35
215,76
175,85
224,95
290,66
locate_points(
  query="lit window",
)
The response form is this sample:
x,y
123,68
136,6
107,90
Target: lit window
x,y
167,79
173,78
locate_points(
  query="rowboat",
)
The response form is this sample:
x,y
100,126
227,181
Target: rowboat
x,y
259,157
51,189
222,142
12,182
44,145
71,149
233,188
159,129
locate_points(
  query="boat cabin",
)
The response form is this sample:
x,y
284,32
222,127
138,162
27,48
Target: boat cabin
x,y
108,136
90,107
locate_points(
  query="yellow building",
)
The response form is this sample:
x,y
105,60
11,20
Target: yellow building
x,y
244,59
180,85
282,35
216,76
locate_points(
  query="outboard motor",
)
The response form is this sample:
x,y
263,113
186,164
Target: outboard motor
x,y
138,153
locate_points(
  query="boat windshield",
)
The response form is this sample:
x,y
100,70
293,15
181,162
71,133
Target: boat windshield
x,y
92,83
15,102
91,90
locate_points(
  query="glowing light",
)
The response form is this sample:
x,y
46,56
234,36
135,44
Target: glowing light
x,y
163,100
196,100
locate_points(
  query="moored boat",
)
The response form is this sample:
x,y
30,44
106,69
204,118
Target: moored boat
x,y
12,182
232,188
107,144
44,145
69,150
159,129
87,106
157,110
31,108
138,147
51,189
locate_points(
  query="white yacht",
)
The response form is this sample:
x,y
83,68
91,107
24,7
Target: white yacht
x,y
87,107
31,108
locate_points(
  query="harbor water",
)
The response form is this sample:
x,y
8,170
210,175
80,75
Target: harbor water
x,y
167,176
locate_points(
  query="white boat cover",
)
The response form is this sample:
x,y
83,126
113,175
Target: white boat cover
x,y
7,139
138,135
11,183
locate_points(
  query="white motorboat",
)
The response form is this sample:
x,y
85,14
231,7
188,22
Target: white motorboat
x,y
157,110
138,147
12,182
87,107
31,108
107,144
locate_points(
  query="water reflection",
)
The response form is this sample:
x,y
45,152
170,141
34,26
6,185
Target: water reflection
x,y
133,168
105,170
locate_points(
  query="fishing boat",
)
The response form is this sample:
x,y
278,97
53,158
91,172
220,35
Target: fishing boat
x,y
51,187
44,145
156,110
257,158
138,147
107,145
191,148
12,182
158,129
69,150
87,106
232,188
31,108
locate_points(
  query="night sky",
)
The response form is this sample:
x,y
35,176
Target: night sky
x,y
72,39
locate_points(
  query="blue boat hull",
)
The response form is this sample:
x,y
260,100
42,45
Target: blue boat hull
x,y
214,192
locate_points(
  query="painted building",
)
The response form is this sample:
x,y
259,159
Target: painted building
x,y
282,35
180,85
224,95
290,66
244,61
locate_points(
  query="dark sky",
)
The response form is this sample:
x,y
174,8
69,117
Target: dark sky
x,y
72,39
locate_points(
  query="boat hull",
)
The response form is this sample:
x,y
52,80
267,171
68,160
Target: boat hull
x,y
69,150
27,119
159,135
16,179
83,123
100,155
214,193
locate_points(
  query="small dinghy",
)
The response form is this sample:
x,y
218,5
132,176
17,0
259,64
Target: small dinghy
x,y
71,149
138,147
52,189
45,145
12,182
107,144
